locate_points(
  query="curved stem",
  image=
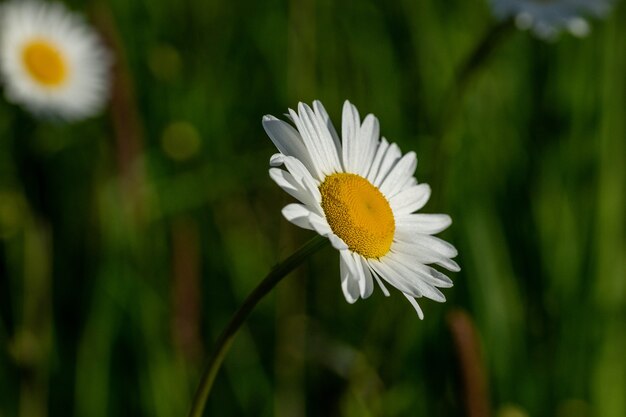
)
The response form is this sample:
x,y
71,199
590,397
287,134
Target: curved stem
x,y
228,334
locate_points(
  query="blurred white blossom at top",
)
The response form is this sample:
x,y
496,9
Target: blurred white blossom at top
x,y
547,18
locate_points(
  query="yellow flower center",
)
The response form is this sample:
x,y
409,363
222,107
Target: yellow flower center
x,y
45,63
358,213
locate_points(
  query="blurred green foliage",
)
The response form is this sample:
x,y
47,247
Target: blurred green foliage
x,y
128,240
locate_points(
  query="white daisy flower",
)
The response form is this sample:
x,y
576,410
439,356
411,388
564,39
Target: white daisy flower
x,y
547,18
51,62
360,192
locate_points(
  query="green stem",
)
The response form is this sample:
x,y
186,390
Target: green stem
x,y
228,335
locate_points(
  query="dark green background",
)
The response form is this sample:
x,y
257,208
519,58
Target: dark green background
x,y
126,241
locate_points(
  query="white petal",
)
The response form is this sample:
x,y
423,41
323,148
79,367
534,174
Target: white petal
x,y
369,135
413,280
381,150
302,176
298,215
428,224
319,123
317,140
433,242
387,163
318,158
397,177
277,159
401,281
424,272
294,165
419,252
368,283
365,288
437,278
287,182
350,125
319,224
415,305
347,271
287,139
337,242
409,200
409,182
378,279
320,111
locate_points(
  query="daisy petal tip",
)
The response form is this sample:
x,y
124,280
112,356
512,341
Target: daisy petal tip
x,y
415,305
372,122
351,301
292,211
297,214
274,173
454,267
349,110
304,108
349,298
350,292
292,115
277,159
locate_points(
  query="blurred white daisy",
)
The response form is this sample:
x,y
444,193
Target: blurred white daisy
x,y
51,61
360,192
547,18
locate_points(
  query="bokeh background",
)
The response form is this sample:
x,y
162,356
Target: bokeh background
x,y
127,241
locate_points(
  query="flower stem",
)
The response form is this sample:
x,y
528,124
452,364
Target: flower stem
x,y
228,334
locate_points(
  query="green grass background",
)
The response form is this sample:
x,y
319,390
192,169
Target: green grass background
x,y
127,241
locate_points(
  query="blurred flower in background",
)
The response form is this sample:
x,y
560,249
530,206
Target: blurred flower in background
x,y
547,18
51,61
360,192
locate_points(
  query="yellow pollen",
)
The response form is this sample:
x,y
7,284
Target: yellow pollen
x,y
358,213
44,63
